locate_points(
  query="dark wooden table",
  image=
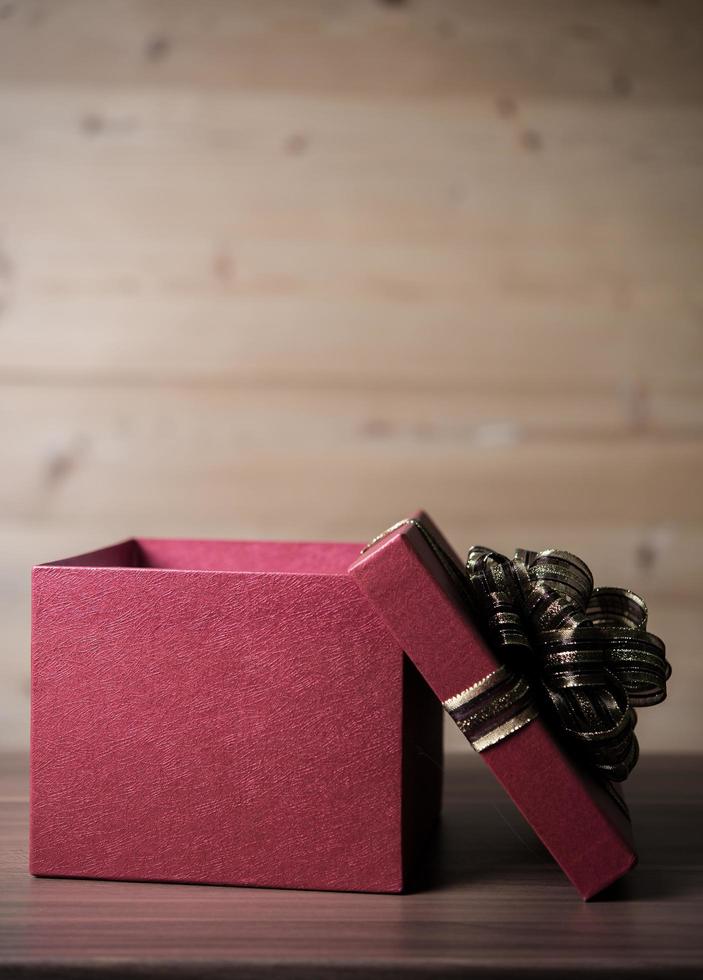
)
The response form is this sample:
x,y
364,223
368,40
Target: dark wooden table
x,y
493,905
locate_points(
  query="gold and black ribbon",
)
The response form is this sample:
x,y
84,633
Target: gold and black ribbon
x,y
493,708
578,655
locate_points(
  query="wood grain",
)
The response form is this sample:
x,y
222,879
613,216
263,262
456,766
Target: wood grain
x,y
407,50
293,270
490,902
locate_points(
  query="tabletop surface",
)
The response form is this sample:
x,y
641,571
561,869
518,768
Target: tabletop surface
x,y
492,903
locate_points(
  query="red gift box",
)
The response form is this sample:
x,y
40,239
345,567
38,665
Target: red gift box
x,y
583,822
229,713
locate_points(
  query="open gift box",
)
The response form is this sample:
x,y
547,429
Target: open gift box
x,y
225,712
263,713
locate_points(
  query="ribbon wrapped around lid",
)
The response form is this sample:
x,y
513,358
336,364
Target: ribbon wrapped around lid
x,y
579,655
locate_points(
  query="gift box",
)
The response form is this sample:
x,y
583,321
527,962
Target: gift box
x,y
581,819
226,712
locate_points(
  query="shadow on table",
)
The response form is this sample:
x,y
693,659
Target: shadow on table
x,y
482,838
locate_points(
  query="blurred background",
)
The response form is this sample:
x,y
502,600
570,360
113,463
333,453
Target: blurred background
x,y
293,269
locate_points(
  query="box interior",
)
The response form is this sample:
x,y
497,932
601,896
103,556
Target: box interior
x,y
312,557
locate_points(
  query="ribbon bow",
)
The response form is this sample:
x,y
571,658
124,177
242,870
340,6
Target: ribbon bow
x,y
581,656
585,651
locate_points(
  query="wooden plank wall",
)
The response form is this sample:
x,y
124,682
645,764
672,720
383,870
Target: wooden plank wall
x,y
292,268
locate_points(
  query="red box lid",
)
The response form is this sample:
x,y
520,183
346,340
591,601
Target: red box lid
x,y
581,820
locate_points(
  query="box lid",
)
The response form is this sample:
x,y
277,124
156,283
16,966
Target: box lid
x,y
413,578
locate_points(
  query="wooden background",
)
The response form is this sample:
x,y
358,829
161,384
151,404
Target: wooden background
x,y
291,269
